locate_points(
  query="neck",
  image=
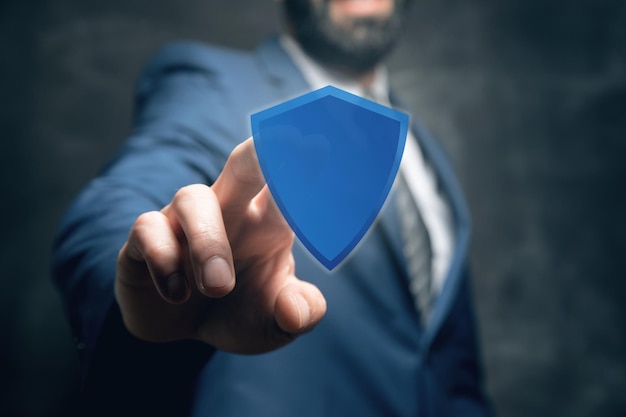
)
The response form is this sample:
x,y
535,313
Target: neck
x,y
364,78
367,79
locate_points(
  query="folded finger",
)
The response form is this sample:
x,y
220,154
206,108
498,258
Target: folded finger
x,y
196,212
152,243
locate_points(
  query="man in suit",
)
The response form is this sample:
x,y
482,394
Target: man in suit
x,y
175,263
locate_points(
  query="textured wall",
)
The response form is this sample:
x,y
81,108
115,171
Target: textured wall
x,y
528,96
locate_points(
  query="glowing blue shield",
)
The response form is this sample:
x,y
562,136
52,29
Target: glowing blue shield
x,y
329,159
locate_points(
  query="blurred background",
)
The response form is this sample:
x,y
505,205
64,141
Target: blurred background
x,y
528,96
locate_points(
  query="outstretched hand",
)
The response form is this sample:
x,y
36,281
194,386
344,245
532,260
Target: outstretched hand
x,y
215,265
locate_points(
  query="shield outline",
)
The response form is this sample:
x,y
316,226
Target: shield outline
x,y
401,118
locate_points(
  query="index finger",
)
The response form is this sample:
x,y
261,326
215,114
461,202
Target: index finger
x,y
241,179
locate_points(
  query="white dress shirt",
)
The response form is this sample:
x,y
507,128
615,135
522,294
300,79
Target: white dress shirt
x,y
418,174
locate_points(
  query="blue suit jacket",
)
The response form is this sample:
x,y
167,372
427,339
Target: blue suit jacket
x,y
368,356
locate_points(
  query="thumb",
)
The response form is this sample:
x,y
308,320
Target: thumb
x,y
299,307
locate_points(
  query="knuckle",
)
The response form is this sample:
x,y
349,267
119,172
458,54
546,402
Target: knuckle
x,y
189,194
204,242
160,251
140,232
197,209
146,219
148,241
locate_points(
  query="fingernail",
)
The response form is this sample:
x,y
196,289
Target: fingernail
x,y
302,306
176,287
217,273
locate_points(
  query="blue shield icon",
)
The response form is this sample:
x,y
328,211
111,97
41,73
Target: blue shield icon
x,y
329,159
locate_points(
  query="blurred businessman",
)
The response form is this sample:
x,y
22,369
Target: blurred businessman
x,y
175,262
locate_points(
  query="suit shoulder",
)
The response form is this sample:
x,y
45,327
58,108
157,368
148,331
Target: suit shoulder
x,y
195,56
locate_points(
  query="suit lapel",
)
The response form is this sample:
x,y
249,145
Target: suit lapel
x,y
450,188
282,74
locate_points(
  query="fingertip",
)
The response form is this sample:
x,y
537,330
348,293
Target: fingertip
x,y
242,178
299,311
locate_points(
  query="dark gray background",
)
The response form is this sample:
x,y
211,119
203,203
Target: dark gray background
x,y
528,96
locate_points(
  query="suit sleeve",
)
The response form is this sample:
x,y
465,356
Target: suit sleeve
x,y
176,142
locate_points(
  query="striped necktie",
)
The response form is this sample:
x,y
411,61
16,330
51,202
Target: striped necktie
x,y
416,246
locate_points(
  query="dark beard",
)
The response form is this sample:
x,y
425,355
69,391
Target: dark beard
x,y
357,48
